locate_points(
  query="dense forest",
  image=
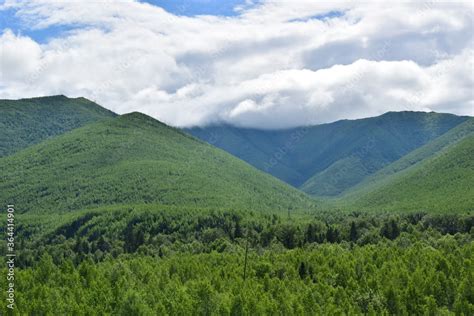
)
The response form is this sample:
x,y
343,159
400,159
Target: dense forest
x,y
124,215
150,260
133,159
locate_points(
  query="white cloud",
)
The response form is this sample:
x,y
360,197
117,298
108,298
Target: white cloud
x,y
20,55
276,65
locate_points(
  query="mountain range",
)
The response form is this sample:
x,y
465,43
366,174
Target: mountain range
x,y
134,159
329,159
65,154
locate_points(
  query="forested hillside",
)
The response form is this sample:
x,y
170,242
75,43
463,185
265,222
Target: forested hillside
x,y
442,183
136,159
329,159
148,260
128,216
26,122
410,161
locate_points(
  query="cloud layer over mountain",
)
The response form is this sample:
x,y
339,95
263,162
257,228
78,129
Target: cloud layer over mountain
x,y
275,64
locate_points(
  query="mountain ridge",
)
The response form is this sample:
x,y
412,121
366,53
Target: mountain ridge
x,y
26,122
304,157
342,160
136,159
419,155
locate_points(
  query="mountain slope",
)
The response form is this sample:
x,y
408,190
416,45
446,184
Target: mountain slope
x,y
441,182
406,163
329,159
136,159
29,121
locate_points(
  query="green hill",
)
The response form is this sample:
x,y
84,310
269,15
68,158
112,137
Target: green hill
x,y
136,159
128,216
442,181
407,162
29,121
329,159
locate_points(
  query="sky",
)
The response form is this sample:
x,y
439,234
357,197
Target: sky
x,y
261,64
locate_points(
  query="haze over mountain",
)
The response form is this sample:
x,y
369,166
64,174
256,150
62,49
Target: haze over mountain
x,y
328,159
134,159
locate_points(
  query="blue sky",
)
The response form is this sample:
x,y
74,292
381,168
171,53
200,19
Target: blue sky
x,y
199,7
8,18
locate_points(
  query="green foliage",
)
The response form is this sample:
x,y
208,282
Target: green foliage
x,y
428,151
136,159
442,183
127,216
29,121
328,159
422,271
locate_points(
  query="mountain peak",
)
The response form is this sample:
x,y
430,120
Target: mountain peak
x,y
59,97
417,113
136,159
136,115
139,117
45,117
